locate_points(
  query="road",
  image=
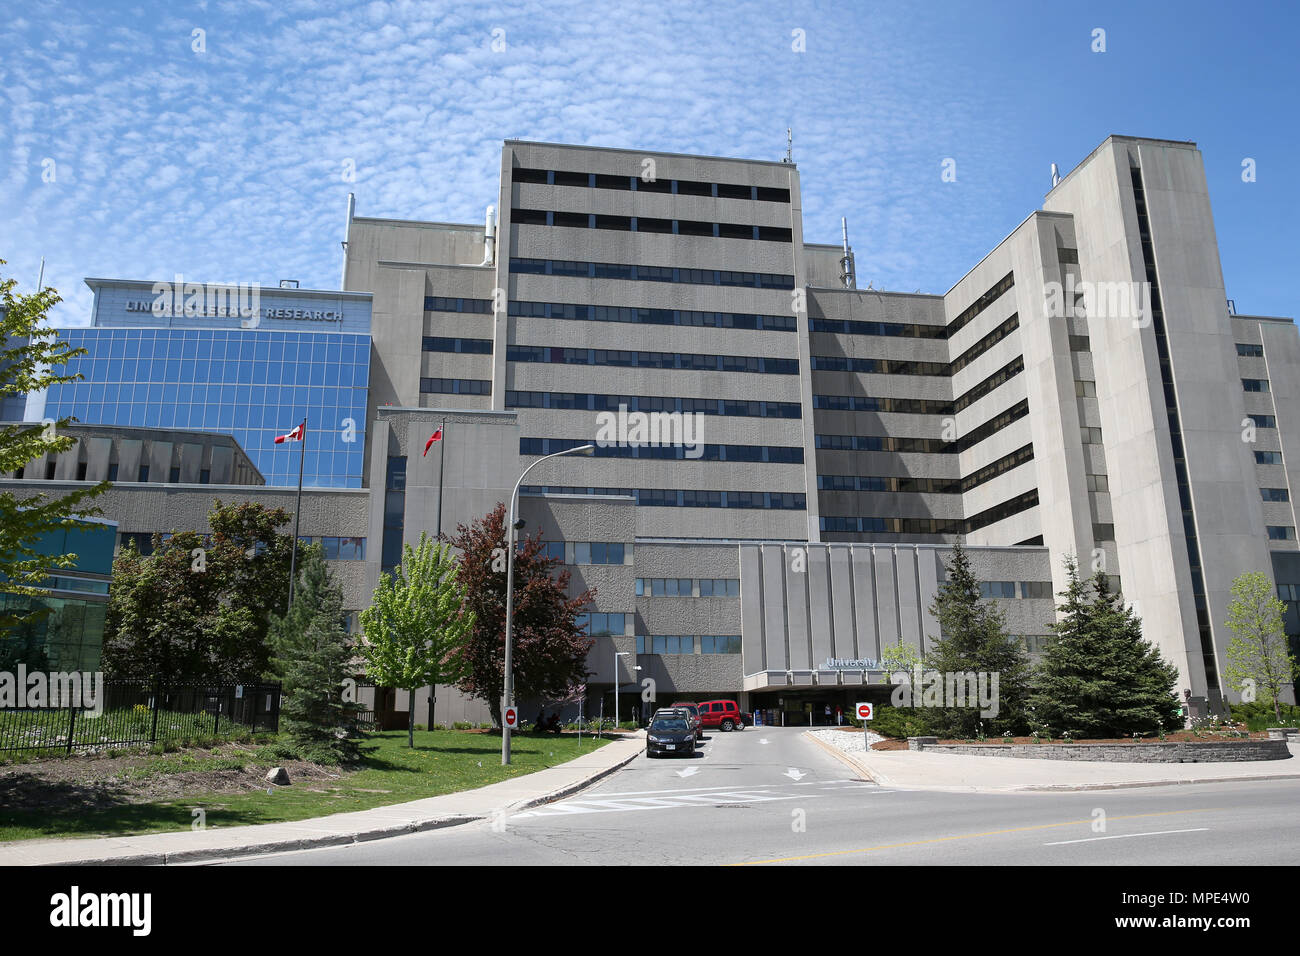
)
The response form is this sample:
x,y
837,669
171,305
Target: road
x,y
770,796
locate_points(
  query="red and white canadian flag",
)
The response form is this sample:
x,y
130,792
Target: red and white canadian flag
x,y
295,435
436,436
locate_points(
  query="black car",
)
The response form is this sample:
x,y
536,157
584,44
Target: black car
x,y
670,734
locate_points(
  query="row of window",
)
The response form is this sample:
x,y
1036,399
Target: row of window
x,y
1275,494
926,445
1277,532
689,498
601,624
456,386
942,486
644,403
842,363
646,316
677,187
986,343
440,303
688,587
908,330
783,454
585,552
1254,384
1249,350
868,403
996,380
969,314
628,359
339,549
1008,589
688,644
640,273
1263,421
672,227
862,525
1268,458
435,343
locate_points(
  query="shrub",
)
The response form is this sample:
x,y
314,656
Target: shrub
x,y
899,722
1259,716
462,725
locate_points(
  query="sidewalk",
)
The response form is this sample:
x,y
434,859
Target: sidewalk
x,y
907,770
452,809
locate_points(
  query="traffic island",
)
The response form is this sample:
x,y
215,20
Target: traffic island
x,y
1116,751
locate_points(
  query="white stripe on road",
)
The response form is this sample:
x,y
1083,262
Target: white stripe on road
x,y
1125,836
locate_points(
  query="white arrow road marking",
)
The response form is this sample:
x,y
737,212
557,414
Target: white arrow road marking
x,y
794,774
1125,836
688,771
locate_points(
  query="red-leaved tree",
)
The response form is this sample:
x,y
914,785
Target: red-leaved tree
x,y
549,647
550,650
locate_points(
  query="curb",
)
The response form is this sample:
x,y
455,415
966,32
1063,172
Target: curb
x,y
342,839
862,772
878,778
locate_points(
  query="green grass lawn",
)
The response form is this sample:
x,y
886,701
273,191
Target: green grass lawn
x,y
443,761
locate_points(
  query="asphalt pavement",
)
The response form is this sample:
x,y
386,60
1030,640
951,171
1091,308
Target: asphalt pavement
x,y
772,796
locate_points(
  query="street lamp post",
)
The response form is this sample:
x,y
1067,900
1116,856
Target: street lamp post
x,y
509,689
618,683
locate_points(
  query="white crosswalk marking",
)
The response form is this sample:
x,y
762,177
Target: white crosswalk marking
x,y
677,799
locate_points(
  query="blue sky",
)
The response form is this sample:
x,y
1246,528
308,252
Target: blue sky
x,y
229,163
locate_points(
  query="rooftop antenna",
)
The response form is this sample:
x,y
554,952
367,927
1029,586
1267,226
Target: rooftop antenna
x,y
848,278
347,234
789,146
1056,175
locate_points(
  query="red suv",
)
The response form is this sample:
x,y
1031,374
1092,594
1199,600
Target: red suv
x,y
723,714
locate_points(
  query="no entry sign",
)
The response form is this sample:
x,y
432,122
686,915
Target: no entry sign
x,y
512,718
865,711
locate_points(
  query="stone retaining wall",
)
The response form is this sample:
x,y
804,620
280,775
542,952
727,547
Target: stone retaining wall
x,y
1176,752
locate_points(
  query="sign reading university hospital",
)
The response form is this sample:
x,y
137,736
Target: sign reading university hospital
x,y
245,305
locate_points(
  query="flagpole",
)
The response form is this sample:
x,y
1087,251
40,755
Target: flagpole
x,y
297,515
442,461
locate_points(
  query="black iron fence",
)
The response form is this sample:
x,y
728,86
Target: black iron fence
x,y
137,714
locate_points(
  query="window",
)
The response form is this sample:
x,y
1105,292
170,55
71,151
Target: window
x,y
144,473
1079,343
1263,421
522,175
730,191
623,223
205,476
1036,589
528,217
1103,532
1247,350
1275,494
81,471
772,194
112,472
1090,435
49,470
598,552
1254,384
604,181
1281,532
1085,389
689,187
689,227
1268,458
571,179
997,589
1098,483
574,220
720,644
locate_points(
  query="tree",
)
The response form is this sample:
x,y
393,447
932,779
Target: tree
x,y
310,656
1259,658
550,649
31,355
1100,677
417,625
974,640
200,606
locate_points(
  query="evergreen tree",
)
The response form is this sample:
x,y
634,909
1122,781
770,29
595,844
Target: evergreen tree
x,y
1100,677
974,640
311,656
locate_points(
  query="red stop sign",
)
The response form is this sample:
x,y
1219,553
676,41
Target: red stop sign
x,y
512,718
865,711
